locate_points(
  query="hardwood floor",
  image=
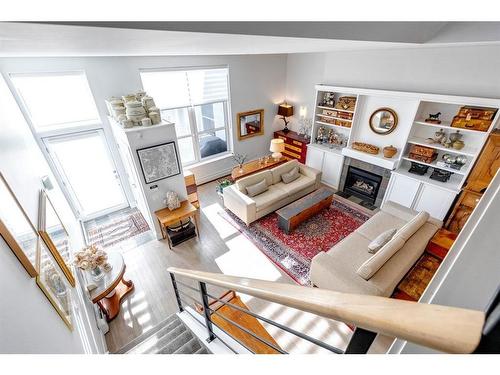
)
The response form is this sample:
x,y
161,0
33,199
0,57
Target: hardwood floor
x,y
220,248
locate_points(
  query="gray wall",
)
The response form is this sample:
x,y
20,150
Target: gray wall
x,y
461,70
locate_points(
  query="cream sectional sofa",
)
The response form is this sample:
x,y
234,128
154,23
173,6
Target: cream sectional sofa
x,y
278,195
337,269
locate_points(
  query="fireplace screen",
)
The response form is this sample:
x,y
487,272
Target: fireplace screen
x,y
362,184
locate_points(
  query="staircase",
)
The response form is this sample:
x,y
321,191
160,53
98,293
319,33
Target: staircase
x,y
169,337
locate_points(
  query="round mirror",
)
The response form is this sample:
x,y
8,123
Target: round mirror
x,y
383,121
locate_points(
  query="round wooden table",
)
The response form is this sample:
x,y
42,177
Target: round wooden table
x,y
112,288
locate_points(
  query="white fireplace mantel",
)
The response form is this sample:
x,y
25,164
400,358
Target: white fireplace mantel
x,y
378,159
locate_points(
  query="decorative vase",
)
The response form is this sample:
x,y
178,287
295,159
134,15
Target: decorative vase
x,y
96,273
173,202
389,151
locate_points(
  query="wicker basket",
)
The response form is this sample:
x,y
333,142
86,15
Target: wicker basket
x,y
365,147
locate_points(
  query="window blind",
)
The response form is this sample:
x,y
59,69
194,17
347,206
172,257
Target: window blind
x,y
183,88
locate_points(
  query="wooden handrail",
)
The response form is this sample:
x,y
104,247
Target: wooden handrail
x,y
444,328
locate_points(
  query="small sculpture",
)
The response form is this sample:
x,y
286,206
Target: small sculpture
x,y
321,135
172,200
439,137
434,118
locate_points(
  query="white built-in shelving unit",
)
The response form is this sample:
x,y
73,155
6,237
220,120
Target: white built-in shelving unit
x,y
412,190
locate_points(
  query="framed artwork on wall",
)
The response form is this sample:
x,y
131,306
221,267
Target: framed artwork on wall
x,y
54,285
250,123
16,228
55,236
159,162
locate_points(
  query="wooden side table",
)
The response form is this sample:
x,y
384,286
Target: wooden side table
x,y
166,217
112,288
254,166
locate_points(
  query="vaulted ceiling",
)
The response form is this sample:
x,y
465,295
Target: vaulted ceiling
x,y
217,38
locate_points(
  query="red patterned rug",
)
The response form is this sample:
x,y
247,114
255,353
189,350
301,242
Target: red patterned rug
x,y
293,252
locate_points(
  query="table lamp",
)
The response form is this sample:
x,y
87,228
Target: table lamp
x,y
285,110
277,147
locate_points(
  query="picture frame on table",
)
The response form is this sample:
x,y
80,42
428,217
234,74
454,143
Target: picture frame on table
x,y
17,229
55,236
159,161
53,283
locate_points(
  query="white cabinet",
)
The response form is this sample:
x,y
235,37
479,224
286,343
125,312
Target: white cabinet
x,y
420,196
332,169
434,200
328,162
402,190
315,158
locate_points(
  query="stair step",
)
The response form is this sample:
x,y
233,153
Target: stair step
x,y
176,343
190,347
163,341
202,350
167,324
171,336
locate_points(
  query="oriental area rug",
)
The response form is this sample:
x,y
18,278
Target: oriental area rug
x,y
293,252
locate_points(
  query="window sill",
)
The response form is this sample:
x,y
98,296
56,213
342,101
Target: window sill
x,y
223,156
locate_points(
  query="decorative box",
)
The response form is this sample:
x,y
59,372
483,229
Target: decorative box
x,y
425,159
422,150
475,118
440,175
365,147
418,168
345,124
347,103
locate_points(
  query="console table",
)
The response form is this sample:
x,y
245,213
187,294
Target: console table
x,y
112,288
166,217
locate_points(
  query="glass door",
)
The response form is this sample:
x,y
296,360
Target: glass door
x,y
88,173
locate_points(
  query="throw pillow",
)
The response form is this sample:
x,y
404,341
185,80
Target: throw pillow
x,y
376,261
257,189
291,175
413,225
381,240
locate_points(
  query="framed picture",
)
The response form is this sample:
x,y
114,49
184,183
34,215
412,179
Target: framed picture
x,y
250,123
159,162
52,282
55,236
16,228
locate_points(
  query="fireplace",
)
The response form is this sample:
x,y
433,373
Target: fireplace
x,y
362,184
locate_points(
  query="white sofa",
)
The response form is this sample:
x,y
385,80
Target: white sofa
x,y
278,195
337,268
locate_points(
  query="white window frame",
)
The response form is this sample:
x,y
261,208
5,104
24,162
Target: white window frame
x,y
193,126
74,129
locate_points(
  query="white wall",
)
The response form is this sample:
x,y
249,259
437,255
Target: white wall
x,y
256,81
462,70
28,322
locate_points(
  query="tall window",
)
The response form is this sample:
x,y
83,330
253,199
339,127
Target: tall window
x,y
66,123
196,101
56,100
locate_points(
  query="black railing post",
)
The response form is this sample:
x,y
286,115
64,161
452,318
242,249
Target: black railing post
x,y
206,310
176,291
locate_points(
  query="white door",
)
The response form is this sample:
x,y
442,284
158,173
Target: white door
x,y
402,190
85,167
314,158
434,200
332,169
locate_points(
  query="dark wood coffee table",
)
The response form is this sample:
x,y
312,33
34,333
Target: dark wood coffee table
x,y
289,217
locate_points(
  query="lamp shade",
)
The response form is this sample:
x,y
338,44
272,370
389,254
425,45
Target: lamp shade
x,y
285,110
277,145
